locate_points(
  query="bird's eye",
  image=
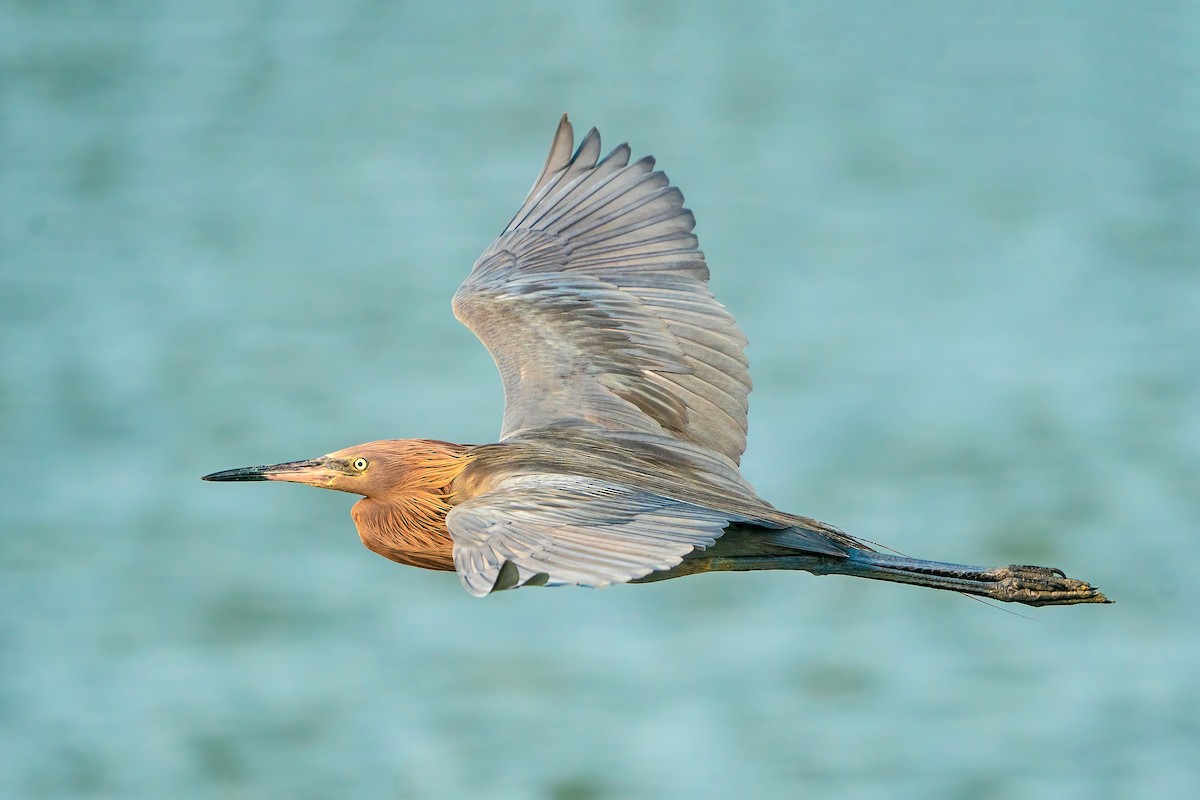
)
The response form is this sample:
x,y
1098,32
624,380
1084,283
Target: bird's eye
x,y
360,464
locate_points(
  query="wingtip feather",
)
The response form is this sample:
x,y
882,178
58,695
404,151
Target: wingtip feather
x,y
560,149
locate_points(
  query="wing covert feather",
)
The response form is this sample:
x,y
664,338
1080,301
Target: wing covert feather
x,y
544,529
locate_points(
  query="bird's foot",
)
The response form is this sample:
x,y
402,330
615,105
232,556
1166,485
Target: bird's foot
x,y
1039,586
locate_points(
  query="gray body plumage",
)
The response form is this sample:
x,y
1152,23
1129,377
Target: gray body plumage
x,y
574,504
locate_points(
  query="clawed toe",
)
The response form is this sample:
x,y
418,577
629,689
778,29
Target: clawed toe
x,y
1041,586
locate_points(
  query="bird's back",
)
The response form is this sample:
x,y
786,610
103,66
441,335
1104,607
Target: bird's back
x,y
658,465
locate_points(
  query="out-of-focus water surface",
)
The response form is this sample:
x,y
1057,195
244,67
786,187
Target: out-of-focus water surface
x,y
963,240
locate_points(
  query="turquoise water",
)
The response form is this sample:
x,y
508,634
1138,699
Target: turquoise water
x,y
964,243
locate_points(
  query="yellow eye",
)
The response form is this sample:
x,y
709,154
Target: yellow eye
x,y
360,464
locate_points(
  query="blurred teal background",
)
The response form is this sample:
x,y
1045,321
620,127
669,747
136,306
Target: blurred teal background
x,y
964,241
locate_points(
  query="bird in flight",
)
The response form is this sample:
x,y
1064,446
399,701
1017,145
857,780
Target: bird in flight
x,y
625,386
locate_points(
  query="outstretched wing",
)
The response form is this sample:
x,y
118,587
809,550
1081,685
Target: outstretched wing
x,y
594,304
560,529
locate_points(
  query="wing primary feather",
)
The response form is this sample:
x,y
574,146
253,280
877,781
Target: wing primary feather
x,y
590,195
663,195
559,156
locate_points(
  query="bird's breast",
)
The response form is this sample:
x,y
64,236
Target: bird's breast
x,y
410,533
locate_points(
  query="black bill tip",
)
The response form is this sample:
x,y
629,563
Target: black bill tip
x,y
296,471
240,474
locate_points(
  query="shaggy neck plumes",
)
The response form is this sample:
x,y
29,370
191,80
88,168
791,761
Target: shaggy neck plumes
x,y
407,522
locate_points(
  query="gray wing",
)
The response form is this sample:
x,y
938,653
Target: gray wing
x,y
594,303
560,529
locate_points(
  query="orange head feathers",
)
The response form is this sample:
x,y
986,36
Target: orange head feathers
x,y
405,484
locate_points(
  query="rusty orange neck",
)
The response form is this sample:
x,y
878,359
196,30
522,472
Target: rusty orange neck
x,y
408,523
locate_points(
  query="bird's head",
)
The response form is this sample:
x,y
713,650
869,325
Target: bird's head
x,y
375,469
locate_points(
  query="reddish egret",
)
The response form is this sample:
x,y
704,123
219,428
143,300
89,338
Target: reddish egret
x,y
625,388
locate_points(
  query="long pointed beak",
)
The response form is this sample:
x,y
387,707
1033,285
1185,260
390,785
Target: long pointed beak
x,y
314,472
